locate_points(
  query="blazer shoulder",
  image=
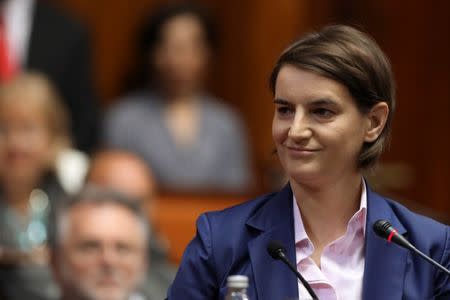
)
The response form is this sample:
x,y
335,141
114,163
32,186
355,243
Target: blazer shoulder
x,y
237,215
224,235
430,237
411,218
422,231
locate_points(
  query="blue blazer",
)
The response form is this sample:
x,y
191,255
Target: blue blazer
x,y
234,241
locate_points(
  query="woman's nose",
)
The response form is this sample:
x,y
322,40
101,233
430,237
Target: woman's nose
x,y
300,127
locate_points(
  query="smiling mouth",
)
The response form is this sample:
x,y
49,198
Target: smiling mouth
x,y
296,152
297,149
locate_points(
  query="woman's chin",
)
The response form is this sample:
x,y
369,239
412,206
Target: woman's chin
x,y
306,176
311,173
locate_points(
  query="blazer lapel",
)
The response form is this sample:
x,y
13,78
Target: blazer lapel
x,y
384,262
273,279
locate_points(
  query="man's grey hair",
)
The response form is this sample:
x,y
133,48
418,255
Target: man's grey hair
x,y
95,195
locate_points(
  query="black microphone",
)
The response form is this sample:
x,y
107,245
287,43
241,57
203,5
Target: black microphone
x,y
277,251
385,230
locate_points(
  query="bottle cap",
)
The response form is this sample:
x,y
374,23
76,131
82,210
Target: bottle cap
x,y
237,281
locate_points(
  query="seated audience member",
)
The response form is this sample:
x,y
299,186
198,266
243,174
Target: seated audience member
x,y
123,171
99,246
191,140
33,130
128,174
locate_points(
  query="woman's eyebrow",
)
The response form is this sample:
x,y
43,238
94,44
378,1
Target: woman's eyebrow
x,y
317,102
323,101
281,101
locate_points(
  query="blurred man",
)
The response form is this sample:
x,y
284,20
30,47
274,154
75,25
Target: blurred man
x,y
124,172
99,246
128,174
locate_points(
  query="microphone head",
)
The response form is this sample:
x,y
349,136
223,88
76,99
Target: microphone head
x,y
275,249
382,228
386,231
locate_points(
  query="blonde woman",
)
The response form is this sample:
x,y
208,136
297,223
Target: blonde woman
x,y
33,130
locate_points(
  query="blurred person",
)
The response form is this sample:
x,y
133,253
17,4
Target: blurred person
x,y
128,174
99,246
33,130
123,171
37,36
191,140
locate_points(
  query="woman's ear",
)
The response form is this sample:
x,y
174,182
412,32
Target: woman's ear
x,y
377,118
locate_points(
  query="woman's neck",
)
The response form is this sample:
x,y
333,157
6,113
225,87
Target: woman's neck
x,y
183,120
180,95
177,101
327,210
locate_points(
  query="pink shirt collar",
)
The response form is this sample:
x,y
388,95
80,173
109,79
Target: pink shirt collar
x,y
357,221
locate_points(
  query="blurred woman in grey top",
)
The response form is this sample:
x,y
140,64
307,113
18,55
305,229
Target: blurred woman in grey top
x,y
192,140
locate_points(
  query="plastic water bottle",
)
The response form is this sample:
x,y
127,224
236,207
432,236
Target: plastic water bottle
x,y
237,287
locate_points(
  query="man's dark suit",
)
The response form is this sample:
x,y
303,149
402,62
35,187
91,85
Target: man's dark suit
x,y
59,48
234,241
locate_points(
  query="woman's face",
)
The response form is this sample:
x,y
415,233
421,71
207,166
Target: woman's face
x,y
317,128
25,141
182,54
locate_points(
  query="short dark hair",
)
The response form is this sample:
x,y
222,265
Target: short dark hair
x,y
354,59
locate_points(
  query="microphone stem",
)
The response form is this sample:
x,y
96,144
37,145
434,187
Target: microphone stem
x,y
304,282
433,262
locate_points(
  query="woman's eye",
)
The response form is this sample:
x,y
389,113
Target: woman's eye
x,y
323,112
284,110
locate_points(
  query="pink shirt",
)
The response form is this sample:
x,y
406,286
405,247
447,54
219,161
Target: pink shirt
x,y
342,263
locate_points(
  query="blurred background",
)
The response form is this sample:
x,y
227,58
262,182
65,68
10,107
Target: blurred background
x,y
414,34
250,35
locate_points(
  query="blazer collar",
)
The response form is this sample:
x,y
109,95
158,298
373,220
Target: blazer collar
x,y
273,279
384,262
274,211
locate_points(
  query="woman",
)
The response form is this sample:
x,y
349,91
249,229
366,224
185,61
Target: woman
x,y
334,100
33,131
171,118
